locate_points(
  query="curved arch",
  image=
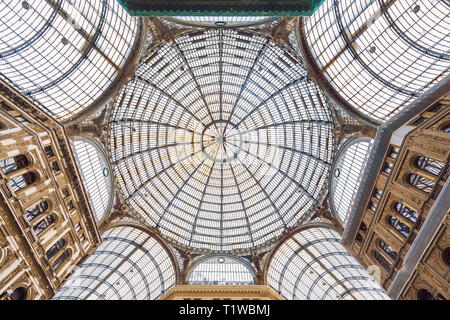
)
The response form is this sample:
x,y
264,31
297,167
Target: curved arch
x,y
311,263
373,58
217,150
68,56
93,160
221,270
221,21
129,264
346,174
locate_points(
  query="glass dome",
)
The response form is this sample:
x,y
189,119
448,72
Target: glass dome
x,y
221,270
221,141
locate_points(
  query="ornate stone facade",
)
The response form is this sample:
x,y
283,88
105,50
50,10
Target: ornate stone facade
x,y
415,171
213,292
46,224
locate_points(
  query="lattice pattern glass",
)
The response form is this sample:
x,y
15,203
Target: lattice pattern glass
x,y
347,176
95,173
128,265
63,54
313,265
221,141
221,270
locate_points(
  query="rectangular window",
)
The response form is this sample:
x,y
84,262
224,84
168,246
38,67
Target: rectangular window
x,y
377,194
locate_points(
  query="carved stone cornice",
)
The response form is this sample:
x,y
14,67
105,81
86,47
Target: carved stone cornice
x,y
226,291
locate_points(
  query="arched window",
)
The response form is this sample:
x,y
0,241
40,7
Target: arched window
x,y
402,228
421,183
64,54
55,248
94,170
379,55
13,164
43,224
347,176
60,260
221,270
424,294
36,211
359,238
446,128
20,182
387,167
19,294
430,165
406,212
388,250
382,261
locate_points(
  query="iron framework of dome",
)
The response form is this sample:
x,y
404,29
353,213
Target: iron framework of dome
x,y
221,141
221,21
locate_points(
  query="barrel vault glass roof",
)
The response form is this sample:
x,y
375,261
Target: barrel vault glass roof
x,y
221,140
63,54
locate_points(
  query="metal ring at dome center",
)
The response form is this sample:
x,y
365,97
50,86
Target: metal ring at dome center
x,y
221,141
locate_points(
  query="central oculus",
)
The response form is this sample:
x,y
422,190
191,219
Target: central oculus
x,y
221,141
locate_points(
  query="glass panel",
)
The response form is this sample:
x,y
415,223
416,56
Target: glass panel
x,y
55,248
421,183
95,174
221,270
63,54
221,141
430,165
43,224
380,59
58,262
13,164
408,213
347,177
128,265
313,265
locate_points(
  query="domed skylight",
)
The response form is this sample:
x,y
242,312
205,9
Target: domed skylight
x,y
221,141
